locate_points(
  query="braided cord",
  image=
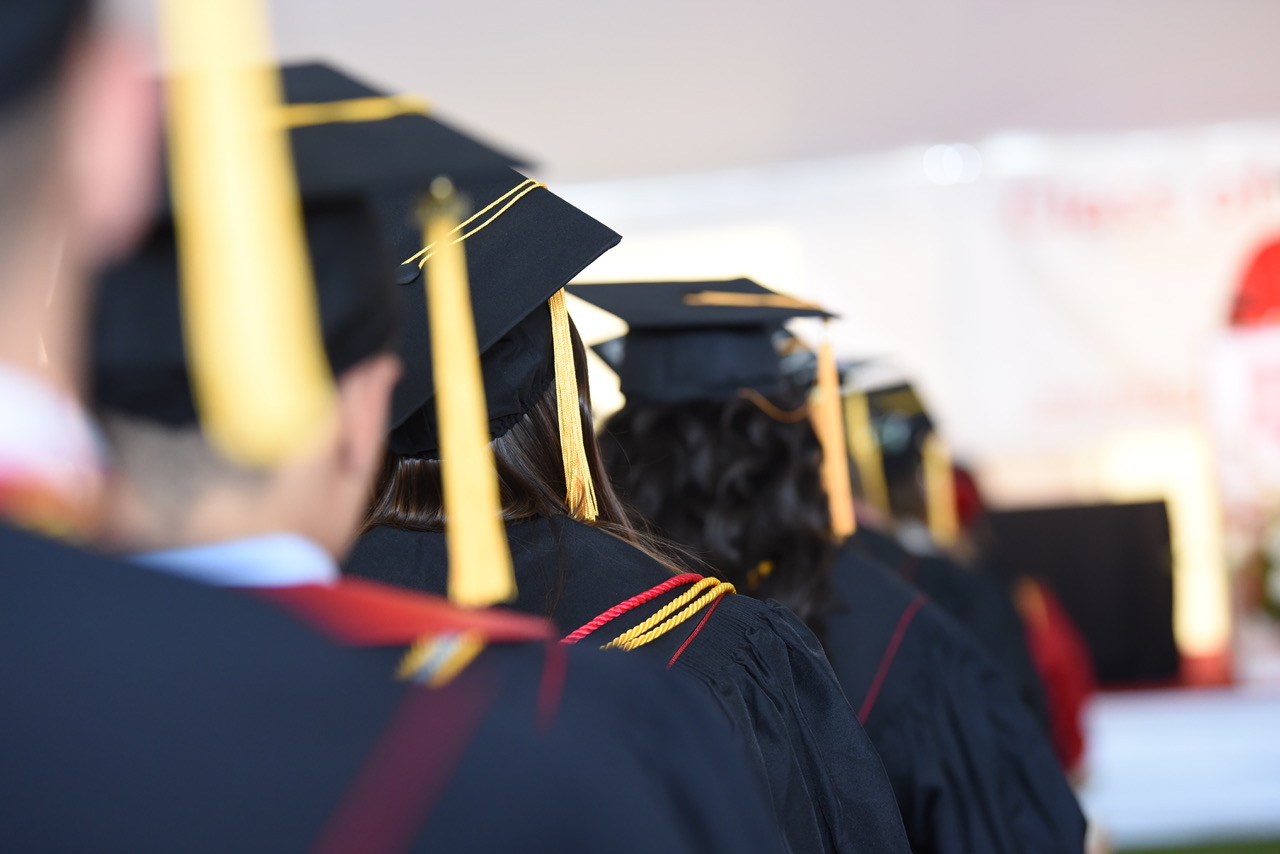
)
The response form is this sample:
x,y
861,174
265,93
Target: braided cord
x,y
662,613
718,589
632,603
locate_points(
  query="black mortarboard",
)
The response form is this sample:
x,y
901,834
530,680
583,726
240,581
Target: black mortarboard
x,y
335,154
912,452
33,38
533,244
139,359
900,420
698,340
901,426
139,355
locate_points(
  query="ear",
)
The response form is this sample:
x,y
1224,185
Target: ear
x,y
111,142
364,403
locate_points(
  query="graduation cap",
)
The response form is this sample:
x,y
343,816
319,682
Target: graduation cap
x,y
715,340
522,246
348,136
908,443
253,336
33,40
355,144
698,340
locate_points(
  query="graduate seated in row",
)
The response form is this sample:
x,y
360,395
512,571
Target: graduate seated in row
x,y
719,452
912,523
147,711
577,559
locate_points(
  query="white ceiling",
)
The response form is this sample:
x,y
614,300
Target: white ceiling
x,y
596,89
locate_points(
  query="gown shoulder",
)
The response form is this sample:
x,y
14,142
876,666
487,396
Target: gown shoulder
x,y
980,603
760,664
146,712
972,769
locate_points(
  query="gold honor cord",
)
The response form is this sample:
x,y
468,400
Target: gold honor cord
x,y
865,450
736,300
777,413
828,422
940,491
375,108
580,491
480,570
258,369
510,197
662,622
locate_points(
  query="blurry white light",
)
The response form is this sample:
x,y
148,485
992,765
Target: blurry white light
x,y
952,164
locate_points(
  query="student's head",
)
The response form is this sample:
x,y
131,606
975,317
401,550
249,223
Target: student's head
x,y
78,137
527,448
172,487
714,446
518,261
735,482
902,426
78,163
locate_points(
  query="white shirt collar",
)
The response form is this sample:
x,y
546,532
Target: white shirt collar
x,y
44,434
915,537
271,560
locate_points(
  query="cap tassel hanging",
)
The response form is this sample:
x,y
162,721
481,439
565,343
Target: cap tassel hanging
x,y
827,422
939,491
480,571
258,367
865,450
580,491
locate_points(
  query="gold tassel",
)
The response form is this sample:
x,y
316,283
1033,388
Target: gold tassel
x,y
480,570
865,450
258,369
828,424
939,491
580,492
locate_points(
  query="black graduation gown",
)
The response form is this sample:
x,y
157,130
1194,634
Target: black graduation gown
x,y
761,664
979,603
972,770
141,712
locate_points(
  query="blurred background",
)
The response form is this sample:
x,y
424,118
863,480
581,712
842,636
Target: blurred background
x,y
1060,219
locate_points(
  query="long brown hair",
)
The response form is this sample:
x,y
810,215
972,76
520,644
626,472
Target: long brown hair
x,y
408,491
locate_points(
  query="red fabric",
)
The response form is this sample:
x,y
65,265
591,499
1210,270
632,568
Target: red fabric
x,y
694,633
890,653
1062,660
634,602
364,613
1257,300
551,688
969,505
408,768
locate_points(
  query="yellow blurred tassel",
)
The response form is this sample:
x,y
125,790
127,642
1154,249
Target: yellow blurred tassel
x,y
828,424
580,491
258,369
939,491
865,450
480,571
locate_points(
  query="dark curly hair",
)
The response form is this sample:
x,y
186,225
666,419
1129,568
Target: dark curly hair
x,y
409,495
739,488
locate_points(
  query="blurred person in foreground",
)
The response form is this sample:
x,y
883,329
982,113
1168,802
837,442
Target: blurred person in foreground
x,y
77,150
578,560
715,448
146,712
